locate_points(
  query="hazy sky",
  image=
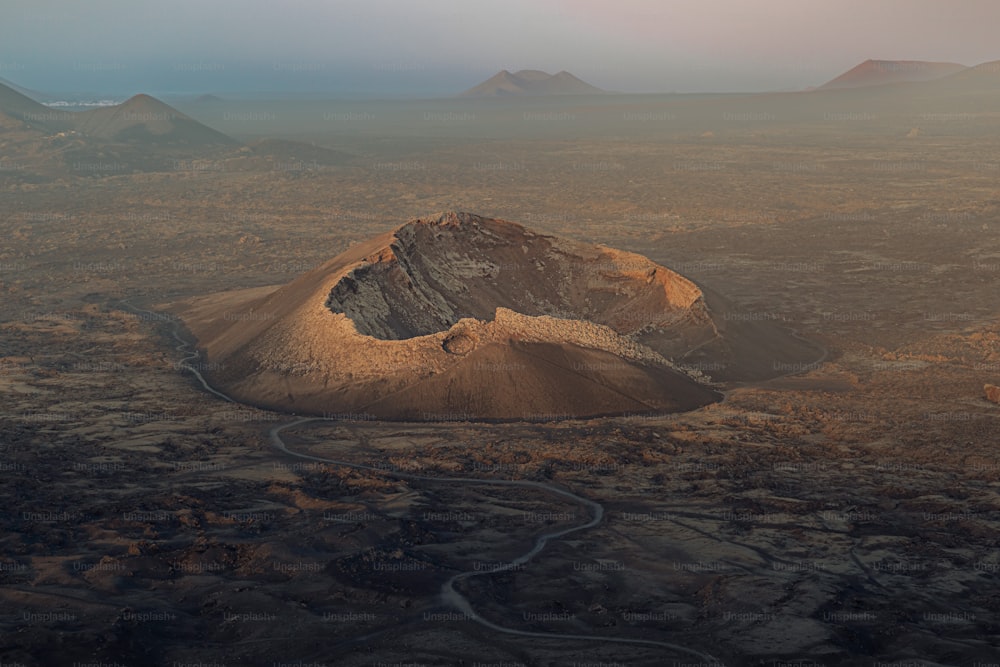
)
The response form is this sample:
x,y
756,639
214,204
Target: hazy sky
x,y
444,46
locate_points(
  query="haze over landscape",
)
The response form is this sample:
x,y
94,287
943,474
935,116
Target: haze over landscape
x,y
568,333
436,47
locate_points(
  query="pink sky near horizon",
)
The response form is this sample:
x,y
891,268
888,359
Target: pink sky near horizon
x,y
626,45
773,30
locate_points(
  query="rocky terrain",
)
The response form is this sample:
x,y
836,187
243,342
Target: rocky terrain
x,y
843,513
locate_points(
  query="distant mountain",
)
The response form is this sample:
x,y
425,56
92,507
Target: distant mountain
x,y
27,92
531,82
881,72
140,135
145,119
19,106
984,75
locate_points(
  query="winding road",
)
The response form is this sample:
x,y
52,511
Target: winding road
x,y
450,595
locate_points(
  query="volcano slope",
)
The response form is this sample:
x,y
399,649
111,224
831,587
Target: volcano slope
x,y
459,317
146,120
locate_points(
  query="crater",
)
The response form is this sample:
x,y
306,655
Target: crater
x,y
457,314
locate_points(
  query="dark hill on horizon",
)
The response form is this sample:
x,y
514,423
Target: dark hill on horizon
x,y
967,91
17,105
142,134
880,72
531,82
981,77
145,119
142,119
35,95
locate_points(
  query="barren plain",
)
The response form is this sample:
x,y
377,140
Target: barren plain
x,y
844,513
